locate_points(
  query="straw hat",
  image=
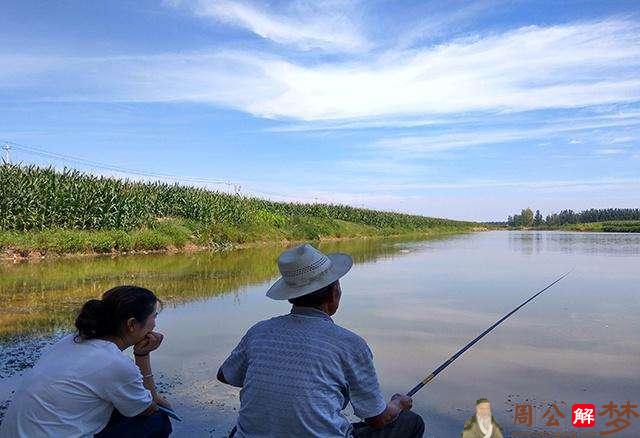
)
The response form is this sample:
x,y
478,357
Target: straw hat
x,y
304,269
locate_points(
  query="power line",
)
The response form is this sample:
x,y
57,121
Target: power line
x,y
105,166
7,154
237,188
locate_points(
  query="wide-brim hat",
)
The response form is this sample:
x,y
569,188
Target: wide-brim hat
x,y
304,269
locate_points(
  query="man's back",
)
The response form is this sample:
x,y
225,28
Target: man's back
x,y
298,372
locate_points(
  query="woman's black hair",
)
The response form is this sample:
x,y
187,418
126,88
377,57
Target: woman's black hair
x,y
105,317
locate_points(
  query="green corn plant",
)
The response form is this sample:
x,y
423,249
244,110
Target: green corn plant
x,y
35,198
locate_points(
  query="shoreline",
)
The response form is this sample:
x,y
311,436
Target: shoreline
x,y
49,212
28,255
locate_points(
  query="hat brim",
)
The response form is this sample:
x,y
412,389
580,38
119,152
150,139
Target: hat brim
x,y
340,265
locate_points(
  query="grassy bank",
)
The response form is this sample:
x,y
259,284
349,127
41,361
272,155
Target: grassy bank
x,y
46,211
176,234
609,226
632,226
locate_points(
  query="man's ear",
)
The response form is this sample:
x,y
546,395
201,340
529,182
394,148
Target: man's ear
x,y
335,294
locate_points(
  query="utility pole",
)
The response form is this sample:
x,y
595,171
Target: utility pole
x,y
7,154
236,187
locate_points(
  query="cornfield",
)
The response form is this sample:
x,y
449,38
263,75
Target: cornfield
x,y
34,198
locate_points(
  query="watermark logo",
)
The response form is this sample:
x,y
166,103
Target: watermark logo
x,y
553,415
583,415
619,416
539,418
482,424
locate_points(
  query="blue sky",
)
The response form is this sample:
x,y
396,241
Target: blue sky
x,y
469,110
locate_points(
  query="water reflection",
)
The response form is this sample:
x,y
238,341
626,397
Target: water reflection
x,y
415,303
527,243
44,296
533,242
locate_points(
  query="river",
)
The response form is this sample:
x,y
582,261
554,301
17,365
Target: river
x,y
415,302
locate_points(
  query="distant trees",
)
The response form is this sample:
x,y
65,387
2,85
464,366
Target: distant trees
x,y
593,215
526,218
538,219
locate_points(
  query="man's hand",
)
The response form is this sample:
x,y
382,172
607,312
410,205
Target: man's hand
x,y
149,343
404,402
398,403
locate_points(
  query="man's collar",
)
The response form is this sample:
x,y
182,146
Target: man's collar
x,y
309,311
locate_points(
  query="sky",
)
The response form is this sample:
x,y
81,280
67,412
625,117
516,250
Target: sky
x,y
465,110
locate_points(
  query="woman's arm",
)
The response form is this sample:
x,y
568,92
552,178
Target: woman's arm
x,y
141,352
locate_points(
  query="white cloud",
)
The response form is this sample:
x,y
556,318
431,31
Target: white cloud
x,y
375,189
306,25
414,157
627,139
559,185
429,146
360,124
595,115
530,68
424,146
611,151
474,199
444,17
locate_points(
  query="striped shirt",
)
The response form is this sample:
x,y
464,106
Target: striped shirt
x,y
297,373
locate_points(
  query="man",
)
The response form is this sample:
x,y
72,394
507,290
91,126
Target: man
x,y
482,425
299,371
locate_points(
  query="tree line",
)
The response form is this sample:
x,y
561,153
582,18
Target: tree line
x,y
527,218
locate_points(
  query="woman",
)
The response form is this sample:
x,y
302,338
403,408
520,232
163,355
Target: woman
x,y
84,385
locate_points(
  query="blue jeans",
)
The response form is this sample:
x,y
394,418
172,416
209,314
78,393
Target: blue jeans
x,y
156,425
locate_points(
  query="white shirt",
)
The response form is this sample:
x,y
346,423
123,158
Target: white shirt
x,y
73,389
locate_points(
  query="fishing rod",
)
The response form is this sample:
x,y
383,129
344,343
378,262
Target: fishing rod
x,y
449,361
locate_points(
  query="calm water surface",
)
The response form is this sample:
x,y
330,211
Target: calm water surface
x,y
416,303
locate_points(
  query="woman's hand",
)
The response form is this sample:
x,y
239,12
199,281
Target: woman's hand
x,y
160,400
149,343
